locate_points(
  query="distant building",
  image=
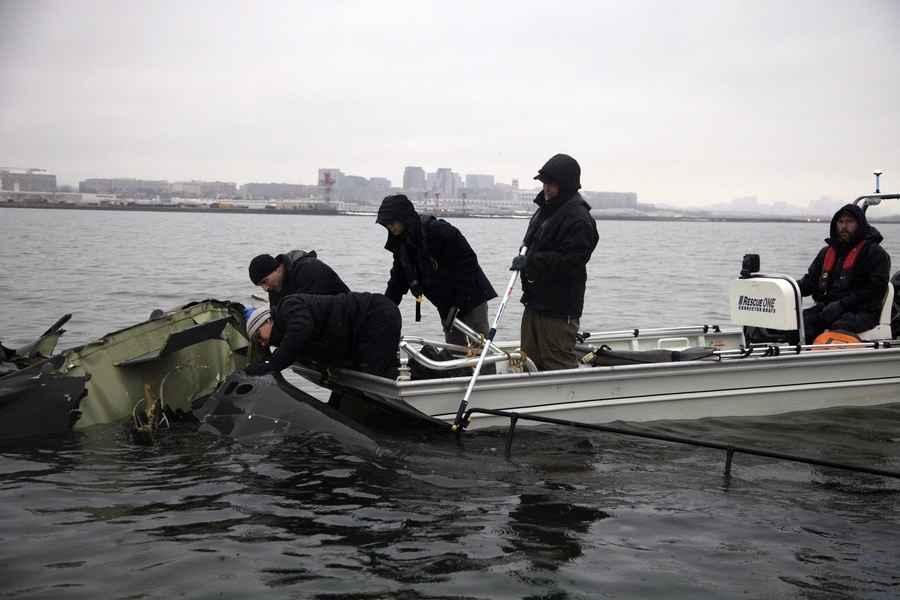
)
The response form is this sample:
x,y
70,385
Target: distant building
x,y
610,199
825,206
124,186
444,183
414,178
356,190
204,189
29,180
329,177
380,185
329,184
276,191
479,182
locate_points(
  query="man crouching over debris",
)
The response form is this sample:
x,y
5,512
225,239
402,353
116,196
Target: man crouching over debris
x,y
356,330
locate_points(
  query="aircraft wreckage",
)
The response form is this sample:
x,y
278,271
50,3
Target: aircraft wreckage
x,y
181,364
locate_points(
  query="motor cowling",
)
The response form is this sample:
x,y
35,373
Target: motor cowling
x,y
765,302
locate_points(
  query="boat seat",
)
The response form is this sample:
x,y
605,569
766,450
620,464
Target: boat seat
x,y
604,356
882,331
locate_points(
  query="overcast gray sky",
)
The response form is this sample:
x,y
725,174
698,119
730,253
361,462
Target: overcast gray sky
x,y
686,103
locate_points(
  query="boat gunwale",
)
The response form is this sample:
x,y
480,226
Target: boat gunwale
x,y
409,389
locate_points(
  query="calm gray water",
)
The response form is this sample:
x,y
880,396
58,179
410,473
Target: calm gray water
x,y
573,515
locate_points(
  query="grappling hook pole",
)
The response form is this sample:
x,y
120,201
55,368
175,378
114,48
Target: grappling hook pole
x,y
458,422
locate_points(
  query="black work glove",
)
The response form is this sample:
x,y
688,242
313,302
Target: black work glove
x,y
258,368
415,289
832,311
519,263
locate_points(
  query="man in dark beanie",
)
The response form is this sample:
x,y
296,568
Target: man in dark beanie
x,y
357,330
432,258
848,278
560,238
294,272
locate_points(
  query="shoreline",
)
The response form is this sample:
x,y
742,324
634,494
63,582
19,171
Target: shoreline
x,y
451,214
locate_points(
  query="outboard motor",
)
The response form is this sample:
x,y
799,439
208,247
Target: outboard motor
x,y
767,306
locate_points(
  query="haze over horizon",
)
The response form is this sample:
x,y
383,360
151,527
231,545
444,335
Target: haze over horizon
x,y
687,104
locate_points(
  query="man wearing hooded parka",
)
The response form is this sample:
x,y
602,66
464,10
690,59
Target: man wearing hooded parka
x,y
560,239
848,277
433,258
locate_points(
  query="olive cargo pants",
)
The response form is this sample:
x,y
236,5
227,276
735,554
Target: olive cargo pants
x,y
549,341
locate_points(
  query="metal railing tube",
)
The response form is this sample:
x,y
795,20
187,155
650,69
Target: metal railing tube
x,y
446,365
475,336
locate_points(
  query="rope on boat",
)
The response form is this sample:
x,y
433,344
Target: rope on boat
x,y
729,449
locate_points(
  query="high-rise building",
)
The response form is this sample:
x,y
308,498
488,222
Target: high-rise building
x,y
444,183
414,178
479,182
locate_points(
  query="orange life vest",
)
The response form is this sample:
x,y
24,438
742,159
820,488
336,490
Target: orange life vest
x,y
836,337
831,259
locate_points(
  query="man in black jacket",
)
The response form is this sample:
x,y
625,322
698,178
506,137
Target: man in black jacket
x,y
561,236
433,258
357,330
848,278
294,272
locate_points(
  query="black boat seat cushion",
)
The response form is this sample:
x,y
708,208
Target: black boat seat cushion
x,y
604,356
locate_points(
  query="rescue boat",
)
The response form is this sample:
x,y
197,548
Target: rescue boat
x,y
638,374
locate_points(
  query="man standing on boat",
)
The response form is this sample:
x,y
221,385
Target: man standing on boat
x,y
432,258
561,236
357,330
848,278
294,272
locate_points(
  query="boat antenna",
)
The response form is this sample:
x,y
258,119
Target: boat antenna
x,y
877,174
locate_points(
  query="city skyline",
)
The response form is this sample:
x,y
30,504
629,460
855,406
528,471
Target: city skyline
x,y
689,105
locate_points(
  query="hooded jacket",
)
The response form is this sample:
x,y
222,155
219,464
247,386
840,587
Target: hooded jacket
x,y
304,273
435,254
561,237
861,288
324,328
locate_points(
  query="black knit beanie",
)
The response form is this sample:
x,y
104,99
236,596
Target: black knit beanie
x,y
261,266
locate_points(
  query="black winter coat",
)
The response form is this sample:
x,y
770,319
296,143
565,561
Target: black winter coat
x,y
862,288
437,255
561,238
304,273
315,327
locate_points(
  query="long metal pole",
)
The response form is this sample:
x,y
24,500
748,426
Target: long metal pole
x,y
457,422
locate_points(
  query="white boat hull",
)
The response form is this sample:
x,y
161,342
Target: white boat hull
x,y
753,386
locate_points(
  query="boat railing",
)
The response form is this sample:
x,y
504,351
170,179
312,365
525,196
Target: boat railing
x,y
457,363
730,449
651,331
754,350
763,350
874,199
476,337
